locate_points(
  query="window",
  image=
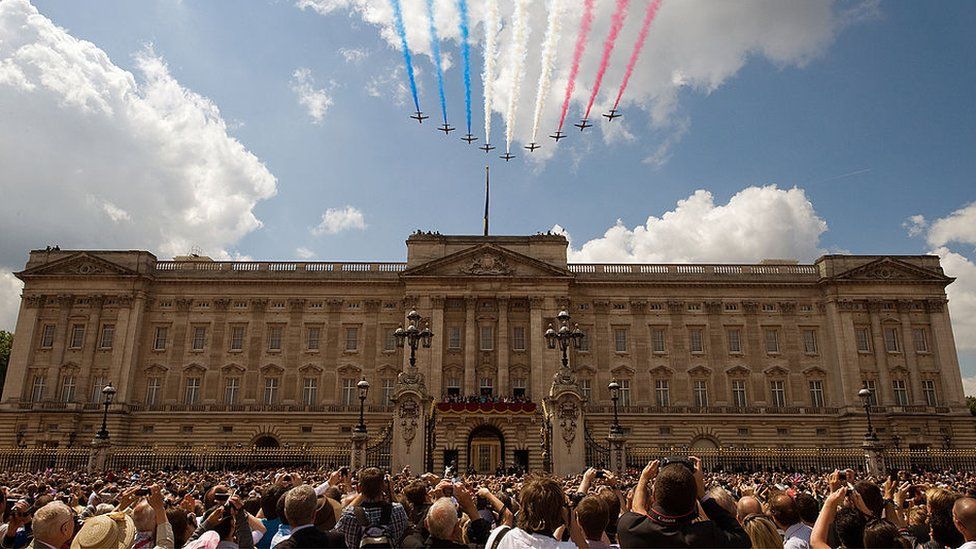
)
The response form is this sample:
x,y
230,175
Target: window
x,y
191,393
620,340
389,342
47,336
816,393
743,431
921,340
768,307
624,392
734,336
863,339
663,392
701,393
585,388
312,336
271,385
199,338
870,385
664,431
782,431
453,385
485,386
348,391
352,338
274,338
310,391
232,389
237,338
37,389
186,429
901,392
777,393
696,341
68,388
159,342
108,336
810,342
387,395
97,385
891,340
739,393
518,338
928,388
518,387
77,336
152,391
772,341
487,338
585,342
454,337
657,340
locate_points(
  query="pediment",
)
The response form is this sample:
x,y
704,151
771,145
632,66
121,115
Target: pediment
x,y
661,372
889,269
776,371
79,264
699,371
486,260
738,371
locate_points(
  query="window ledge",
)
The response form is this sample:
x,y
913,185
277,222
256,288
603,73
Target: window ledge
x,y
311,351
198,351
235,351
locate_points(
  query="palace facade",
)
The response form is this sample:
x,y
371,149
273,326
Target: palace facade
x,y
221,353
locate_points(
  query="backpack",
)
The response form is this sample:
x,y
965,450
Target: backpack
x,y
375,535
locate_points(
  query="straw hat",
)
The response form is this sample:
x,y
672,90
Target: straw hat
x,y
110,531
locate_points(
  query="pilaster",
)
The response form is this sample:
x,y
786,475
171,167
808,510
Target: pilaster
x,y
24,344
503,348
470,345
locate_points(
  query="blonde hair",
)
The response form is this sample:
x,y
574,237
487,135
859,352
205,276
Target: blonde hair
x,y
762,532
939,498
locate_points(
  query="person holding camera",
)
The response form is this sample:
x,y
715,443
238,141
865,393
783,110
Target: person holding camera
x,y
668,514
301,505
543,508
228,523
372,519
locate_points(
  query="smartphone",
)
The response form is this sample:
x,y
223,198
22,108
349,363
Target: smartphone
x,y
143,491
600,474
842,476
344,471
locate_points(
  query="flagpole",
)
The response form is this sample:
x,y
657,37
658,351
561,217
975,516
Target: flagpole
x,y
486,199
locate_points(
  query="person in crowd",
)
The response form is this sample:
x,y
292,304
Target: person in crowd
x,y
115,530
271,519
666,516
747,505
301,505
593,515
543,508
762,531
964,517
373,513
230,524
786,515
808,508
52,526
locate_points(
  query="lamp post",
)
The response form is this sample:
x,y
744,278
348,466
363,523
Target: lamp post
x,y
865,395
413,336
896,440
363,387
614,387
564,336
108,392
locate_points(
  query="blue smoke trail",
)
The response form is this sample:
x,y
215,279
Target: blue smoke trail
x,y
435,46
407,59
466,55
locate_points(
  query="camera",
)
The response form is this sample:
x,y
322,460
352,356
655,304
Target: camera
x,y
221,496
143,491
670,460
575,498
601,473
344,471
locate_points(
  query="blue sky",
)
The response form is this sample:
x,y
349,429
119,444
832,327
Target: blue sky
x,y
872,116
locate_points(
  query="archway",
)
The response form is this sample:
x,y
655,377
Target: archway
x,y
486,449
704,443
266,441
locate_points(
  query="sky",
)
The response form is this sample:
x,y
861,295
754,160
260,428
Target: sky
x,y
279,129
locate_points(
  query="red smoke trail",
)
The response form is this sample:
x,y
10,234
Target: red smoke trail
x,y
584,31
638,46
616,23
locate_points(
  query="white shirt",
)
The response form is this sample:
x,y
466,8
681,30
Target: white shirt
x,y
968,545
516,538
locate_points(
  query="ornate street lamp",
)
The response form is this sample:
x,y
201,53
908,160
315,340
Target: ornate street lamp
x,y
564,336
363,387
413,336
614,387
896,441
865,395
946,441
108,392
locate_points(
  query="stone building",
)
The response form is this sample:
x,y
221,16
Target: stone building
x,y
269,353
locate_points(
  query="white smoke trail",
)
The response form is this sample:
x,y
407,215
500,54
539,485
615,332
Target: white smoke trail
x,y
548,56
520,36
488,75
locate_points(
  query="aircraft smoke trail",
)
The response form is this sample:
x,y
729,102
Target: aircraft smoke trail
x,y
466,56
488,75
584,31
638,46
520,35
616,23
548,55
407,58
435,46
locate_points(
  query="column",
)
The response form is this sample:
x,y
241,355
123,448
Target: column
x,y
537,350
716,351
880,353
61,333
212,391
24,344
292,352
792,350
504,348
255,348
840,347
331,350
944,350
640,339
436,383
470,345
602,344
128,335
908,348
82,389
754,351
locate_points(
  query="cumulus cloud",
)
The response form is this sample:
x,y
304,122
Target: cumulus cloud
x,y
915,225
10,288
757,223
969,385
694,44
959,226
87,148
336,220
304,253
353,55
315,100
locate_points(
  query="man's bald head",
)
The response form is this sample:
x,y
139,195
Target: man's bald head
x,y
747,505
964,517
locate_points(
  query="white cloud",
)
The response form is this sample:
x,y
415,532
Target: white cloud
x,y
915,225
757,223
10,288
304,253
143,147
353,55
969,385
962,296
959,226
694,44
315,100
335,220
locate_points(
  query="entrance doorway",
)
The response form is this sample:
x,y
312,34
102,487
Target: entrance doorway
x,y
486,449
522,460
266,441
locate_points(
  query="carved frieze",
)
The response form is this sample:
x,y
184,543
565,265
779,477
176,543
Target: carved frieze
x,y
488,264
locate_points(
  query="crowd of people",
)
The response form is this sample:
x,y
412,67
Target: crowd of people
x,y
483,399
672,502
